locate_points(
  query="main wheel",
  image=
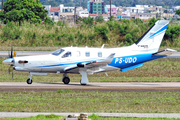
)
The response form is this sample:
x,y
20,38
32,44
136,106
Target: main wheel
x,y
29,81
66,80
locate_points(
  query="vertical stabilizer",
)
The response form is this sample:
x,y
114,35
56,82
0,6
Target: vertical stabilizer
x,y
152,39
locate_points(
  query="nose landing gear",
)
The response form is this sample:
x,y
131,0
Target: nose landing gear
x,y
29,80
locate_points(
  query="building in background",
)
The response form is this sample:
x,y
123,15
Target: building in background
x,y
143,16
66,9
136,9
96,6
83,13
156,9
175,8
47,7
54,11
113,9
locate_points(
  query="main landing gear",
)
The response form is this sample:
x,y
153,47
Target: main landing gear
x,y
83,81
65,79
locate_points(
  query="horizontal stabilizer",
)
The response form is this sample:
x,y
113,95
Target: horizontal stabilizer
x,y
165,52
131,67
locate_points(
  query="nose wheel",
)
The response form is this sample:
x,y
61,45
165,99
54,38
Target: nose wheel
x,y
29,81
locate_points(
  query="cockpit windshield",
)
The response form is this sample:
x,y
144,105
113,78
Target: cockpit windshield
x,y
58,52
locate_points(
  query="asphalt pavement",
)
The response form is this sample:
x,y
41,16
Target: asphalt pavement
x,y
97,86
139,115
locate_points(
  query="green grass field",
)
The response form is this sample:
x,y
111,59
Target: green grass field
x,y
90,101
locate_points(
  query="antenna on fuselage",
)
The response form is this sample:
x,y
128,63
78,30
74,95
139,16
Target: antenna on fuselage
x,y
103,46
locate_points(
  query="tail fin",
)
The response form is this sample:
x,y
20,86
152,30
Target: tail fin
x,y
152,39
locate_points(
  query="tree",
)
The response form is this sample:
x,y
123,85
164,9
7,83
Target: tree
x,y
178,12
20,10
128,39
100,19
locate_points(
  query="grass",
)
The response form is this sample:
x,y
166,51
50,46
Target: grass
x,y
161,70
92,117
39,117
90,101
112,33
50,48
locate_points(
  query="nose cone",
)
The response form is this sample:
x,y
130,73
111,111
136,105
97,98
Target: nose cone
x,y
9,61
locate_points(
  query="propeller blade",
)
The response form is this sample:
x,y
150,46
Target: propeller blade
x,y
9,69
12,75
11,51
9,54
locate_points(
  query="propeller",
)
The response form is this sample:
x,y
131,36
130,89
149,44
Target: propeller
x,y
11,61
10,69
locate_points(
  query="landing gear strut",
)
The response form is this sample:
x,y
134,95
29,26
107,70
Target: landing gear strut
x,y
84,79
82,83
65,79
29,80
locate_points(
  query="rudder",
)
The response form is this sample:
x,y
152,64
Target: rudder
x,y
152,39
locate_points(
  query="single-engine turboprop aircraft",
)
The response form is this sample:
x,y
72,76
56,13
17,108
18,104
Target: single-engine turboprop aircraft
x,y
95,60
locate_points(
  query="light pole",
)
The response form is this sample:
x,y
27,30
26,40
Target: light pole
x,y
74,15
2,4
110,8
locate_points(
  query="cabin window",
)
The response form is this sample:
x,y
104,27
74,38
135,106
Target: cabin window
x,y
99,54
87,54
68,54
58,52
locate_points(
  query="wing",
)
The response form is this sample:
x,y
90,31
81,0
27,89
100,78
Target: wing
x,y
94,64
165,52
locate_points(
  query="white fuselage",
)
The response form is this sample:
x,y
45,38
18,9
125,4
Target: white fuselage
x,y
57,63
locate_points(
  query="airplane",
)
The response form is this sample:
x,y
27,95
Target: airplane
x,y
87,61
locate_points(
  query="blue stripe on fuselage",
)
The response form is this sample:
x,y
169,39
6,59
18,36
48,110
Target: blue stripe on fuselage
x,y
126,61
119,62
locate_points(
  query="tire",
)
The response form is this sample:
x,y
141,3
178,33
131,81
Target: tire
x,y
66,80
29,81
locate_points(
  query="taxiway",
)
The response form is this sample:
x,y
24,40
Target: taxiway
x,y
23,86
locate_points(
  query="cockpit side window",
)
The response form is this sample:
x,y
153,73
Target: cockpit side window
x,y
67,54
58,52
